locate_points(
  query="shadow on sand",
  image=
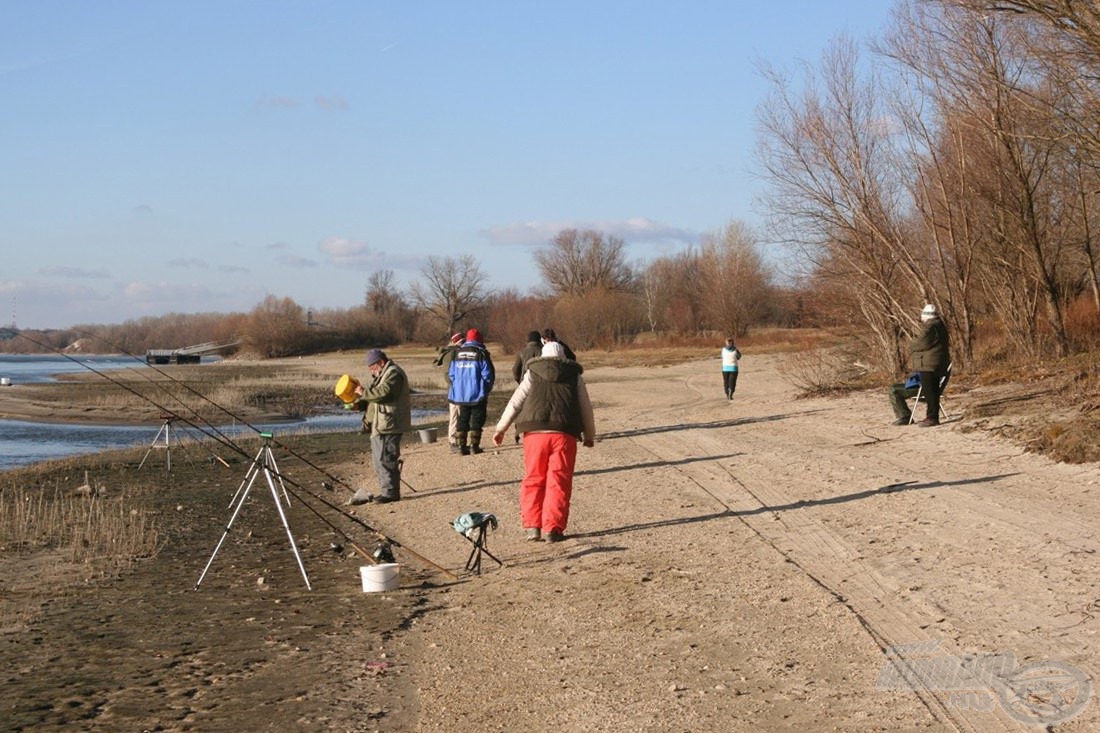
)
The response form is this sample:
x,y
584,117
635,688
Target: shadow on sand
x,y
800,504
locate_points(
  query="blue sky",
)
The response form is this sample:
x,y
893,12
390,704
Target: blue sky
x,y
170,156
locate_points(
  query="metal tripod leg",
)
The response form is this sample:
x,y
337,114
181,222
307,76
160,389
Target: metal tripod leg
x,y
249,476
253,472
167,448
264,457
278,474
168,430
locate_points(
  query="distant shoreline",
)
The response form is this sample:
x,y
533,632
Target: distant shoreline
x,y
24,403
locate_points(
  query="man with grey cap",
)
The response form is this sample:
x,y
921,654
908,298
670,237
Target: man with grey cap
x,y
387,414
931,356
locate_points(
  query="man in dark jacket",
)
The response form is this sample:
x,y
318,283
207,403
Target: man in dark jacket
x,y
472,376
531,350
552,409
900,394
931,354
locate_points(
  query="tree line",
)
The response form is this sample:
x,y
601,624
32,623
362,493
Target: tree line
x,y
591,294
958,165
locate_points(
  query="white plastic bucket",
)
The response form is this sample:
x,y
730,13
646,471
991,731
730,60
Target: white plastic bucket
x,y
379,577
5,382
427,435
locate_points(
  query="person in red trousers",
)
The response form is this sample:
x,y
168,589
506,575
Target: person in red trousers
x,y
552,410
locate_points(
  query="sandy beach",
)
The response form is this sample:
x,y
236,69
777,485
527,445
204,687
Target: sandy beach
x,y
769,563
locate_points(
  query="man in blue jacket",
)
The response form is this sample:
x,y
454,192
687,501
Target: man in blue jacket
x,y
472,376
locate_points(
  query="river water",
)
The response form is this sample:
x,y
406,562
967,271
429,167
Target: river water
x,y
22,443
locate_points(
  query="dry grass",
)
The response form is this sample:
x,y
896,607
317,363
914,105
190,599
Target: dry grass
x,y
58,530
82,525
50,541
246,390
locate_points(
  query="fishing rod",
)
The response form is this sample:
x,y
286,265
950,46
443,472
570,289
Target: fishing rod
x,y
219,437
366,526
215,432
233,446
222,408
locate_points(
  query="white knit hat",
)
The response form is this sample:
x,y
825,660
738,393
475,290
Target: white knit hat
x,y
553,349
929,312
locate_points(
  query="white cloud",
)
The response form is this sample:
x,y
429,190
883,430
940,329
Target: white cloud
x,y
351,254
355,254
635,230
76,272
278,102
188,262
160,294
295,262
38,291
333,102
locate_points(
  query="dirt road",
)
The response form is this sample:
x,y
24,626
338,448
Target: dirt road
x,y
761,564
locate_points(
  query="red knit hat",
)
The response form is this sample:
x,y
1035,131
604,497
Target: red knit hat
x,y
473,335
456,338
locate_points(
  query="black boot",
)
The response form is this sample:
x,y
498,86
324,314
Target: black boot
x,y
475,443
462,447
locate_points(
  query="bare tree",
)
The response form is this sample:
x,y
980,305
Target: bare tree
x,y
383,295
734,282
670,293
835,192
578,262
1064,39
451,290
276,327
599,318
1016,155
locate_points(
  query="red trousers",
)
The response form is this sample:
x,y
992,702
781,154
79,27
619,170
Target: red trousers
x,y
548,460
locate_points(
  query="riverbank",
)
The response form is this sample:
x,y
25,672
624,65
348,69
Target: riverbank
x,y
224,392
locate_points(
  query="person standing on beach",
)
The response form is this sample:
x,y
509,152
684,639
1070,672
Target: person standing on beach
x,y
446,356
552,409
387,412
731,359
531,350
548,336
930,352
472,377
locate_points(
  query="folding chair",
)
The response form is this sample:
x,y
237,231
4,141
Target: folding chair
x,y
474,528
919,396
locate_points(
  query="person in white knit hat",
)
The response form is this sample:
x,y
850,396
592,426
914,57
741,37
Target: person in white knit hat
x,y
552,409
931,355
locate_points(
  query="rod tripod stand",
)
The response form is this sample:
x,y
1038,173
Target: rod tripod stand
x,y
168,432
264,463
